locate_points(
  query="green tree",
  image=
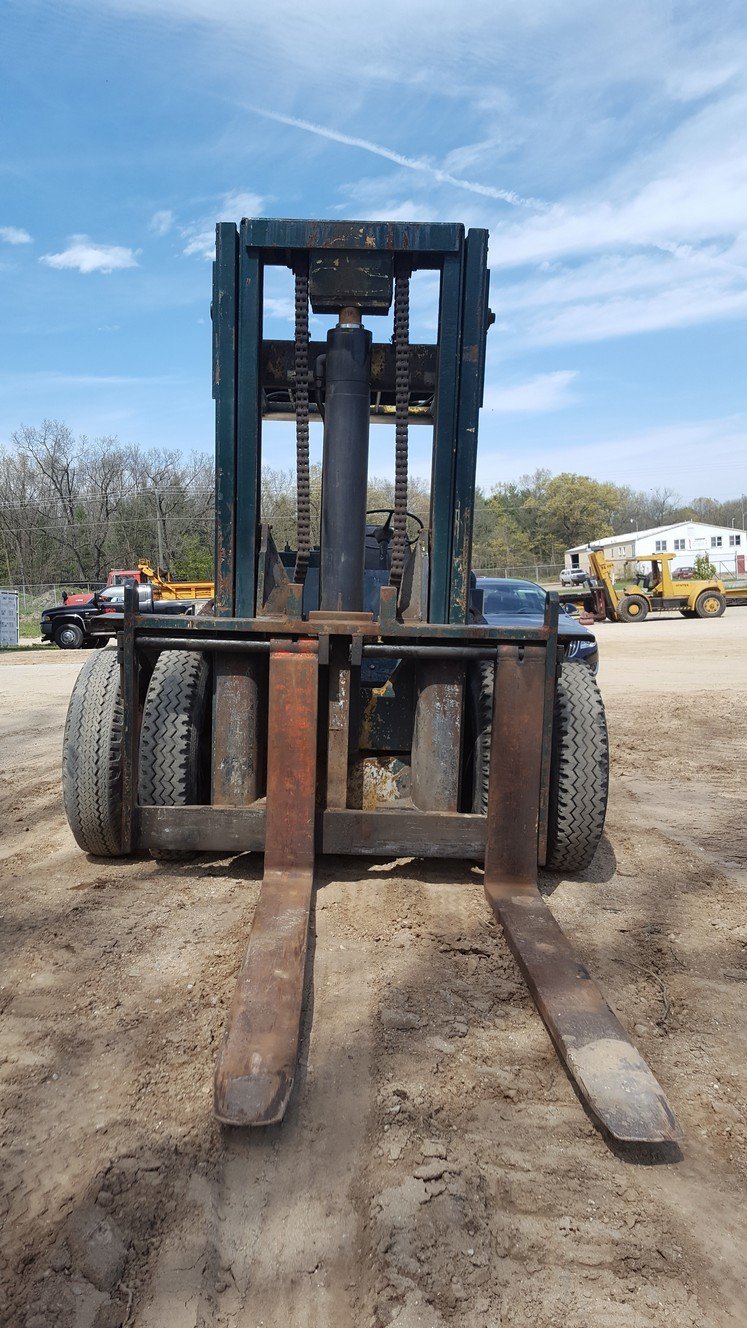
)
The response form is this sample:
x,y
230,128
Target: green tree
x,y
499,540
195,561
704,569
573,509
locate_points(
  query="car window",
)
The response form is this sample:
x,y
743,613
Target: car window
x,y
115,594
514,600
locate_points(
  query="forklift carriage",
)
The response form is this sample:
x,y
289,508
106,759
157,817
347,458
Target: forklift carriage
x,y
349,698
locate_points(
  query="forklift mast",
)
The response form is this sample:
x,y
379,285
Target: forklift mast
x,y
352,269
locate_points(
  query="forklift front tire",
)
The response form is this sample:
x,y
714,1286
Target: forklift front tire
x,y
92,757
579,771
632,608
174,760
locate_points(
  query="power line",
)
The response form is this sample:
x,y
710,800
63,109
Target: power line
x,y
73,526
123,496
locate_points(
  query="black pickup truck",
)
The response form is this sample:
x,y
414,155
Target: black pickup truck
x,y
68,625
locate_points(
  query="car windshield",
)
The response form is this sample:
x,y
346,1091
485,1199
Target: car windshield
x,y
115,594
516,599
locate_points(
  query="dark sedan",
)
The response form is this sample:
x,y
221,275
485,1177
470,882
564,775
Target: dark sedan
x,y
512,603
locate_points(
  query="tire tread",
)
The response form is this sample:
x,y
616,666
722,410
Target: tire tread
x,y
92,755
579,776
170,737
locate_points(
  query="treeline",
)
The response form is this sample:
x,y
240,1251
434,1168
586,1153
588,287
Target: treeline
x,y
72,508
541,515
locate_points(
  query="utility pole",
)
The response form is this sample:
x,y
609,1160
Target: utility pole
x,y
159,534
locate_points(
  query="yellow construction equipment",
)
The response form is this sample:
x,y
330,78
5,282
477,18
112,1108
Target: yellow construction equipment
x,y
652,592
163,589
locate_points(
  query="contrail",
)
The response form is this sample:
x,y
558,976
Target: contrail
x,y
412,163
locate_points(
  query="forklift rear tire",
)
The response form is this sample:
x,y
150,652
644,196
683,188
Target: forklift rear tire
x,y
91,757
174,766
632,608
709,604
579,770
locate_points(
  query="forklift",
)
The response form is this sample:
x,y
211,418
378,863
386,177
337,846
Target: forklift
x,y
654,591
348,697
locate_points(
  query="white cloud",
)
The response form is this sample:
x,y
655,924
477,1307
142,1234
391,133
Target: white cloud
x,y
659,243
162,222
199,235
200,241
280,307
240,203
620,294
82,255
14,235
547,391
678,306
419,164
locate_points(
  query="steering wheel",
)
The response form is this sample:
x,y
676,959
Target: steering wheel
x,y
388,512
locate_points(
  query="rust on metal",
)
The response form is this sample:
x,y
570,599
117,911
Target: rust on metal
x,y
257,1061
379,780
436,742
552,609
402,831
338,722
236,764
611,1076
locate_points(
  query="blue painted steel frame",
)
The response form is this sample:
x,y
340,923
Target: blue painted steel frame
x,y
248,426
471,385
445,436
225,349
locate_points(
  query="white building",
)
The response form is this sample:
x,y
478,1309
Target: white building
x,y
725,546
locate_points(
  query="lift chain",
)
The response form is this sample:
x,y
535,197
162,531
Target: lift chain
x,y
301,379
402,406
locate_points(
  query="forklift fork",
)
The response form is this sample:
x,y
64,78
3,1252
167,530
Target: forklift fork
x,y
610,1075
257,1061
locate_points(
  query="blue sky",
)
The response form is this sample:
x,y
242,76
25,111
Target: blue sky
x,y
603,146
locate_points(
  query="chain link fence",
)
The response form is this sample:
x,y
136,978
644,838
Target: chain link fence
x,y
32,600
545,573
50,592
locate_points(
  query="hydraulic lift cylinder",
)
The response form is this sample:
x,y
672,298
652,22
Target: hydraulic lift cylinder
x,y
345,464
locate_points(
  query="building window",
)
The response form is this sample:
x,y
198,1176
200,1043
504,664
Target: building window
x,y
679,544
735,539
716,541
661,546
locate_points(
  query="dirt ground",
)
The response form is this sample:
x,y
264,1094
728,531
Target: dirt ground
x,y
435,1166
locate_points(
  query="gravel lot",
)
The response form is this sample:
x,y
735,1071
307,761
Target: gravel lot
x,y
122,1202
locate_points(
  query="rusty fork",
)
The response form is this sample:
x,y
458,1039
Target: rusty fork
x,y
610,1075
257,1061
